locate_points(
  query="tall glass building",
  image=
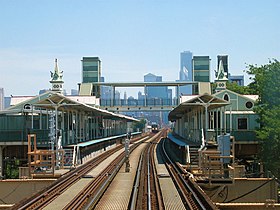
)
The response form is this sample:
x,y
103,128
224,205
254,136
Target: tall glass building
x,y
186,66
91,72
155,92
1,98
91,69
201,68
186,71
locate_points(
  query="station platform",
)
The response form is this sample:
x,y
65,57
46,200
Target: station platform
x,y
97,141
179,148
118,194
171,197
61,201
180,141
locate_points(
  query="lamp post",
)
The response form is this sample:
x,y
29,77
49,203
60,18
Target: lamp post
x,y
126,146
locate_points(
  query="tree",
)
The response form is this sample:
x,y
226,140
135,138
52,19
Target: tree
x,y
244,90
139,125
266,83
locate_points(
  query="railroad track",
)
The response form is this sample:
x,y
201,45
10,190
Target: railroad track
x,y
191,194
146,192
47,195
91,194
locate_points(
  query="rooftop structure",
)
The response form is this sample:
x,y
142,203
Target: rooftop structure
x,y
91,72
56,79
201,68
224,59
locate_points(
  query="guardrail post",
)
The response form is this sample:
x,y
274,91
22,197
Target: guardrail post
x,y
126,146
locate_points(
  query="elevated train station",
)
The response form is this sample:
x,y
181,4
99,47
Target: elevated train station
x,y
213,138
57,123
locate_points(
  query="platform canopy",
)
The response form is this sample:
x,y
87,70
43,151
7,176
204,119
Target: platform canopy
x,y
53,100
205,100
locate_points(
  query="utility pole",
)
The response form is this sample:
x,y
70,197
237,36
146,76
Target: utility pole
x,y
52,131
126,146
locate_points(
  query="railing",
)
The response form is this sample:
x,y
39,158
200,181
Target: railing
x,y
139,102
239,135
213,168
195,135
246,135
12,135
21,136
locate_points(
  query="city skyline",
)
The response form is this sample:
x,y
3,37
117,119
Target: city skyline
x,y
131,38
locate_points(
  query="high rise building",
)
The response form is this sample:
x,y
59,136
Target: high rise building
x,y
91,72
156,96
186,66
169,93
106,91
7,102
186,72
74,92
201,68
155,92
1,98
238,79
224,59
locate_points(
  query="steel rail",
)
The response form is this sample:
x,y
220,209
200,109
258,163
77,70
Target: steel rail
x,y
194,198
47,195
148,180
146,192
132,203
156,181
98,185
90,195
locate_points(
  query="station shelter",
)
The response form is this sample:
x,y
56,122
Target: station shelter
x,y
57,121
225,119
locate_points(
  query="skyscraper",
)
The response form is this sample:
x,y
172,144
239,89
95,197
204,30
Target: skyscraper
x,y
186,71
91,72
1,98
156,96
201,68
186,66
91,69
155,92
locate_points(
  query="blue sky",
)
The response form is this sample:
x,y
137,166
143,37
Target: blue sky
x,y
131,37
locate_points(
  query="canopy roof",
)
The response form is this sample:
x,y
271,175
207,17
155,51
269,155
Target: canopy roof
x,y
204,100
53,100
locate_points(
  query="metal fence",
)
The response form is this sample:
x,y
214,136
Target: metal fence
x,y
139,102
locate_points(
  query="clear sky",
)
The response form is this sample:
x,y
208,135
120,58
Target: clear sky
x,y
131,37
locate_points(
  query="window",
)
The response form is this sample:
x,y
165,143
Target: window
x,y
242,124
226,97
249,104
90,68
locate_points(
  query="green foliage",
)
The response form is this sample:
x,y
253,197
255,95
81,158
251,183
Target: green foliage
x,y
12,171
139,125
244,90
266,83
